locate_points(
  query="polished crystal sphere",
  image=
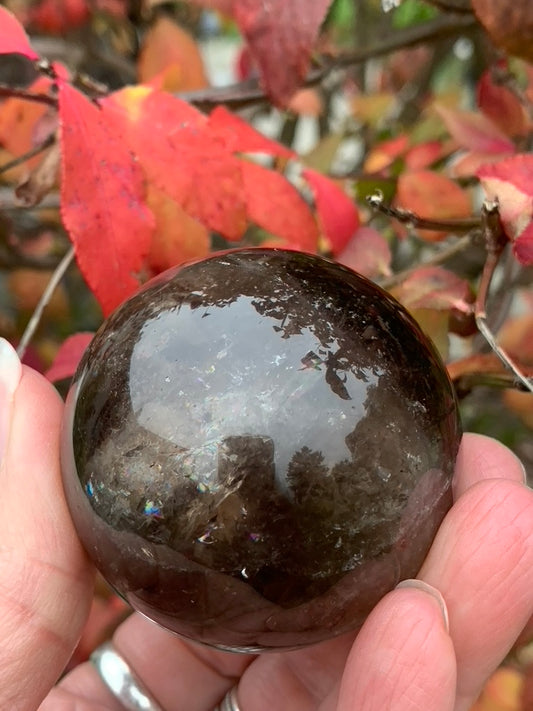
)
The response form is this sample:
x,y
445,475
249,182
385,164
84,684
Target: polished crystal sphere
x,y
257,447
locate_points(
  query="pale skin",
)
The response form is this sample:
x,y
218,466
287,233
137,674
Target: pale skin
x,y
403,659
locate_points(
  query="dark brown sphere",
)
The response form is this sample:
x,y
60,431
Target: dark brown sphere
x,y
257,447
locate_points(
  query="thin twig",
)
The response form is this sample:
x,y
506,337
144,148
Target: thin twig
x,y
462,6
496,242
43,301
10,91
438,258
464,384
411,219
29,154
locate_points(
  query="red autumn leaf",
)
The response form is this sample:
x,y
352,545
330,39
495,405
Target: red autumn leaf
x,y
337,213
13,38
68,356
510,181
434,288
208,184
501,106
433,196
179,157
523,245
281,35
240,137
425,154
102,200
368,253
475,131
290,219
56,17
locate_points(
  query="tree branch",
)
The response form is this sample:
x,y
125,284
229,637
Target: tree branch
x,y
412,220
9,91
43,301
49,141
461,6
246,93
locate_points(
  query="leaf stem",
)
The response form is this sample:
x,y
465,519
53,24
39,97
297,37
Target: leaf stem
x,y
43,301
49,141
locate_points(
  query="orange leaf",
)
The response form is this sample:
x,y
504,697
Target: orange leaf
x,y
172,55
433,196
336,212
102,200
307,102
19,118
276,206
385,153
178,237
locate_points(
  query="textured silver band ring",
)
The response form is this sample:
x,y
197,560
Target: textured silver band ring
x,y
229,702
121,680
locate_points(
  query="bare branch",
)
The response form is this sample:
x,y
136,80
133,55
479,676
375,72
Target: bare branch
x,y
43,301
410,218
496,242
438,258
461,6
48,141
9,91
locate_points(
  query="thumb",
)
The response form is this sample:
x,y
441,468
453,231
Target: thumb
x,y
45,577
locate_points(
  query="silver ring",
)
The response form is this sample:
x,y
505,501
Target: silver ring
x,y
229,702
122,681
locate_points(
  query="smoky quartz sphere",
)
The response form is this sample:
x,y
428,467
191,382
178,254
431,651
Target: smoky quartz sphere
x,y
257,447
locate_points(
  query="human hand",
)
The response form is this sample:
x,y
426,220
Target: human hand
x,y
403,658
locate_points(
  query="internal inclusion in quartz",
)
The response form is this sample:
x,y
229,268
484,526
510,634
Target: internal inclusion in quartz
x,y
257,447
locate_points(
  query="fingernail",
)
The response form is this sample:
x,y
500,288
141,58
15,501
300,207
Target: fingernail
x,y
435,594
524,472
10,372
